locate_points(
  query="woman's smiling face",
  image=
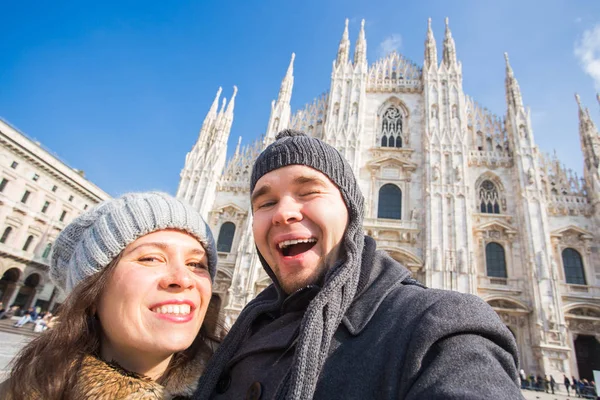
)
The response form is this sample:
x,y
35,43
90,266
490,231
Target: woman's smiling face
x,y
157,296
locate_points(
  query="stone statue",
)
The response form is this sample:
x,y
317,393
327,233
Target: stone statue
x,y
435,175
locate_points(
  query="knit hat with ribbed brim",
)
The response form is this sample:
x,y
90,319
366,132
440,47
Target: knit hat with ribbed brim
x,y
93,239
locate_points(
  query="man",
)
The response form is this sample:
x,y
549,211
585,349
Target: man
x,y
567,383
341,319
30,316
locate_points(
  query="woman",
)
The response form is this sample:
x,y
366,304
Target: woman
x,y
138,272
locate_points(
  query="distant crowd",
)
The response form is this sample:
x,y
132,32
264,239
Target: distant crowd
x,y
582,387
41,320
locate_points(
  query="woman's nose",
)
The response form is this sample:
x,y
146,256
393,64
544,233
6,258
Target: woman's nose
x,y
177,276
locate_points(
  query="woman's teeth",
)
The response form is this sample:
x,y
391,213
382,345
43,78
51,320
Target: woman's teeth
x,y
178,309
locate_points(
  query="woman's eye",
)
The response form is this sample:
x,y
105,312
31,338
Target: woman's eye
x,y
310,192
149,259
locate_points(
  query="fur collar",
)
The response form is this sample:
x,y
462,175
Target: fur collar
x,y
101,380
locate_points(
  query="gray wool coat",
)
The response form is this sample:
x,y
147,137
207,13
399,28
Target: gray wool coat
x,y
398,340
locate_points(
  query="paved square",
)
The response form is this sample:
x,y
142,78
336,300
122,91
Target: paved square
x,y
10,344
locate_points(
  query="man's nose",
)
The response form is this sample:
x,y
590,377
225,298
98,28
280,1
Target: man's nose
x,y
287,211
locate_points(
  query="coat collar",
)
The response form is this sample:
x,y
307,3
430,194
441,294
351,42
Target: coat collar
x,y
99,379
385,274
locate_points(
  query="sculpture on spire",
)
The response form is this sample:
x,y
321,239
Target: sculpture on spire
x,y
449,55
344,48
513,91
360,52
430,47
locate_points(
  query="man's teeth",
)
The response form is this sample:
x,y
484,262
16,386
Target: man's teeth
x,y
287,243
180,309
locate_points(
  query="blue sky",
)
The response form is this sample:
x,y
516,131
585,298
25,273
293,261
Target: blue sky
x,y
119,89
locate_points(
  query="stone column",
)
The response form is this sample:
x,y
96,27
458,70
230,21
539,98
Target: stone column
x,y
34,296
16,288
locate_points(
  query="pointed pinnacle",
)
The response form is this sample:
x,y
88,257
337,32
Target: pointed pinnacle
x,y
509,70
232,101
429,23
290,69
345,34
447,21
223,105
578,99
215,104
237,148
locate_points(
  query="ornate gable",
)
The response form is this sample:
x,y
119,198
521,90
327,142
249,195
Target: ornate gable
x,y
572,236
392,166
495,230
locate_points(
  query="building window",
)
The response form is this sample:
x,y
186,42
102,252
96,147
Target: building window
x,y
62,216
390,202
54,188
391,127
573,265
71,198
3,184
5,235
226,237
35,177
45,207
489,201
47,250
28,243
495,260
14,165
25,196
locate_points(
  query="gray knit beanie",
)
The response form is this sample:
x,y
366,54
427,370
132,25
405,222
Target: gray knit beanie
x,y
292,147
93,239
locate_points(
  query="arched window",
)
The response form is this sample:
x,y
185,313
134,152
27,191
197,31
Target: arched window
x,y
390,202
5,235
28,242
391,127
495,260
226,237
46,252
489,201
573,267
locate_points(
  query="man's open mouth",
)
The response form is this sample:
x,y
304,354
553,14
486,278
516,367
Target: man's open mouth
x,y
291,248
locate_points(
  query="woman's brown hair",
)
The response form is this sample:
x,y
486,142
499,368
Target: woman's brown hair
x,y
48,366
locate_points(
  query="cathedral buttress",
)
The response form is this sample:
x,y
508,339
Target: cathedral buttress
x,y
590,147
347,98
539,259
205,162
449,241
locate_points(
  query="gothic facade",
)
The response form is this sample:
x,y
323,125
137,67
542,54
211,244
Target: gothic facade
x,y
462,197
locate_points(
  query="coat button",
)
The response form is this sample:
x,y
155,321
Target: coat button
x,y
223,383
254,391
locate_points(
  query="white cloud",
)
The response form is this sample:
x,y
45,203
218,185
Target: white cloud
x,y
389,44
587,50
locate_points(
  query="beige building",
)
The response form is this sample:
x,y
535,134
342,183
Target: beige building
x,y
39,195
462,197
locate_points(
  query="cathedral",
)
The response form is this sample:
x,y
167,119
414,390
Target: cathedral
x,y
460,196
